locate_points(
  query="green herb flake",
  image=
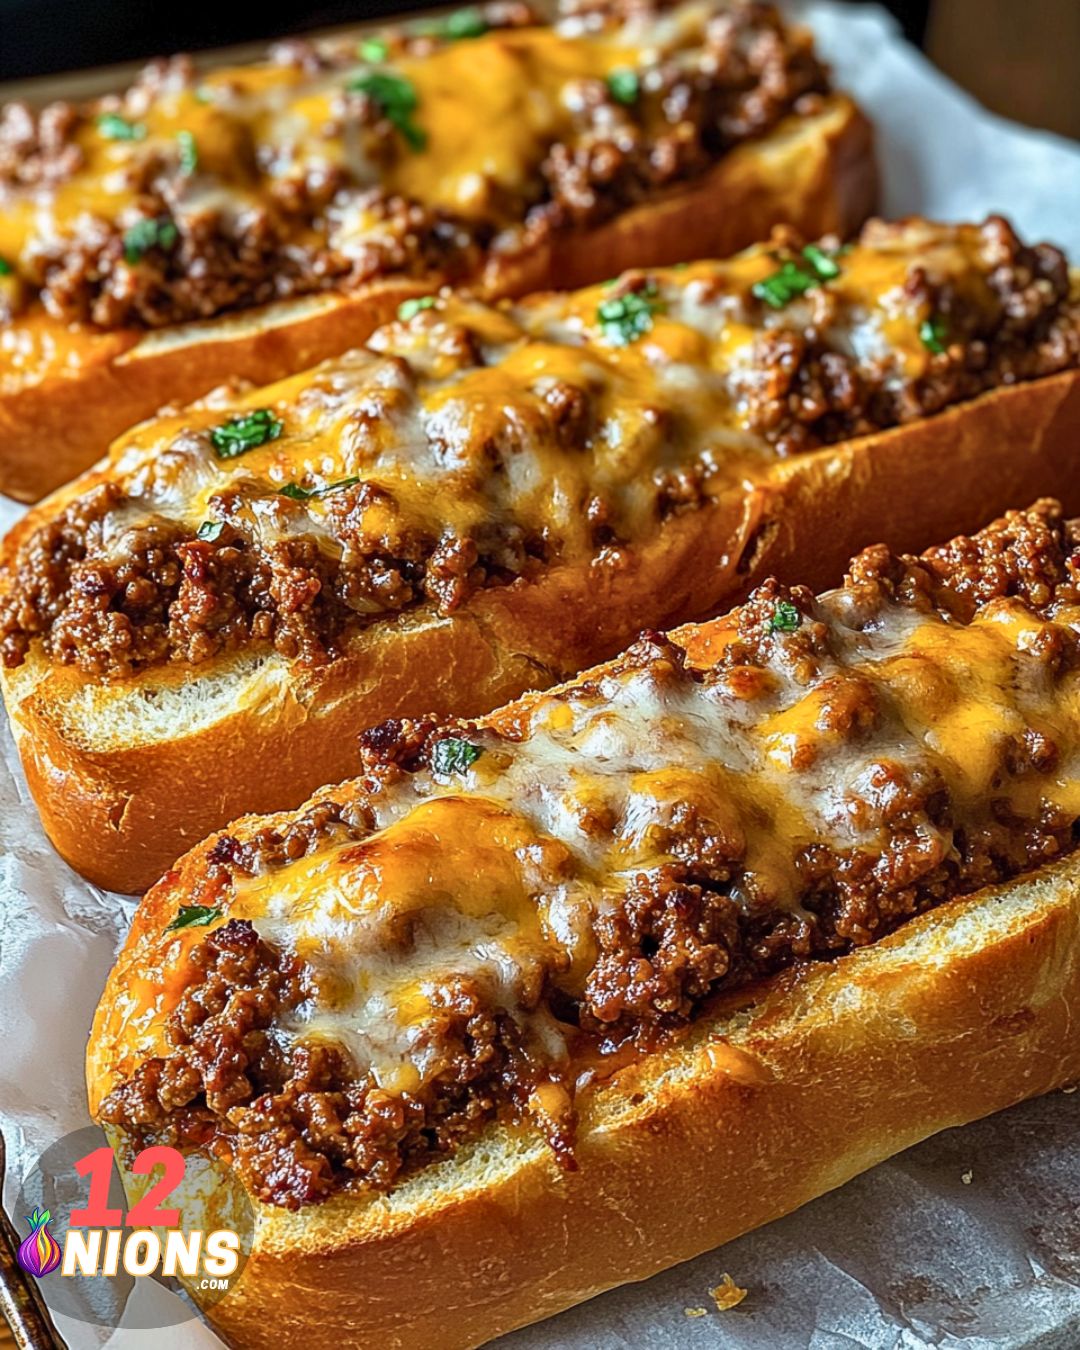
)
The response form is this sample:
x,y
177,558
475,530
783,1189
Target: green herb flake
x,y
796,276
783,286
823,266
785,618
244,432
150,232
194,916
933,334
210,530
409,309
454,756
465,23
189,152
303,494
624,86
116,128
6,268
374,50
628,316
396,100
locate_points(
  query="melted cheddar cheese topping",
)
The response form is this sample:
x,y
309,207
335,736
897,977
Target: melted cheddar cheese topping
x,y
486,111
455,415
496,870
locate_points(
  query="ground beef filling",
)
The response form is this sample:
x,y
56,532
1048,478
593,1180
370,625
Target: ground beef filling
x,y
804,394
325,823
678,936
165,595
300,1123
751,71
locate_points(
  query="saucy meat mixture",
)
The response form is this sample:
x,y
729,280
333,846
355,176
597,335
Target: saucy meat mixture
x,y
472,446
336,162
432,946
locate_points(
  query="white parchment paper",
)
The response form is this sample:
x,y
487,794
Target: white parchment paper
x,y
970,1240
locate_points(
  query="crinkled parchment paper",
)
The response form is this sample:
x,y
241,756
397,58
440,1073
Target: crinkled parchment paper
x,y
971,1239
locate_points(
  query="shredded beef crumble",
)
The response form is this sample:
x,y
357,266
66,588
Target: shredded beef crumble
x,y
302,1124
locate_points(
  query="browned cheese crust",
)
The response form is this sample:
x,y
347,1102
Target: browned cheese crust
x,y
260,218
556,999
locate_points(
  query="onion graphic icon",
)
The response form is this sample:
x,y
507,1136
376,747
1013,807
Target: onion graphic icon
x,y
40,1252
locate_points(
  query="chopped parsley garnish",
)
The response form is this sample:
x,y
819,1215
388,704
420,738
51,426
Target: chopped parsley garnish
x,y
116,128
629,316
785,618
189,152
409,309
244,432
796,276
624,86
210,530
396,100
824,266
934,335
465,23
454,756
6,268
150,232
194,916
303,494
374,50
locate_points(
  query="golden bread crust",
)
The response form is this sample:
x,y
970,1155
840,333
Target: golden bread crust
x,y
963,1012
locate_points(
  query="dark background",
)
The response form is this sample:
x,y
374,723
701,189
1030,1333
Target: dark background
x,y
1020,57
38,37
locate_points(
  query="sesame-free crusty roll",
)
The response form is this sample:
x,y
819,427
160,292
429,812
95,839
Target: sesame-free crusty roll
x,y
252,220
489,498
547,1002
